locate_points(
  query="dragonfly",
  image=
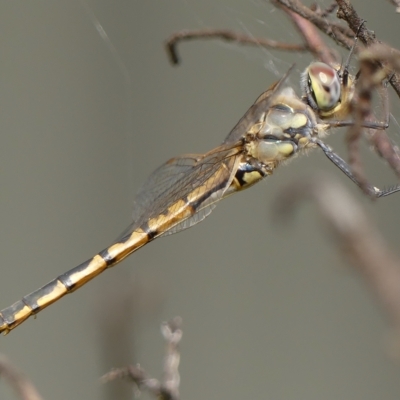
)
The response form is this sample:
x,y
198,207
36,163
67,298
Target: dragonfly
x,y
183,191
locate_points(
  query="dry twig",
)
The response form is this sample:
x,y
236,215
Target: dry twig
x,y
358,238
168,389
227,35
372,74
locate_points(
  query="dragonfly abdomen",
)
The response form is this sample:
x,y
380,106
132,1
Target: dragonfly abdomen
x,y
66,283
73,279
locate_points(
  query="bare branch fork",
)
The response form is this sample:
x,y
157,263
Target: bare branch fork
x,y
168,388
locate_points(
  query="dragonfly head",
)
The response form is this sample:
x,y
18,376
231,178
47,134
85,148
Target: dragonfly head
x,y
321,86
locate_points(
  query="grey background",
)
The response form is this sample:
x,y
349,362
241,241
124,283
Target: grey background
x,y
269,312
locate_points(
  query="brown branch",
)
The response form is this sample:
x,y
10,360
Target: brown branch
x,y
355,23
358,238
22,385
227,35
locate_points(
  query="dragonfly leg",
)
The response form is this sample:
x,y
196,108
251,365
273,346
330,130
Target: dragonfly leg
x,y
345,168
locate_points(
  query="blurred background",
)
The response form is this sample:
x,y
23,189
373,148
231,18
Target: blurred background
x,y
90,106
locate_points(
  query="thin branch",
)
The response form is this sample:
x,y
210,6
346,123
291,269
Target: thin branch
x,y
227,35
138,376
22,385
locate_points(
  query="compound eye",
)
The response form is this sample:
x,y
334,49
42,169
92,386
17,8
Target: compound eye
x,y
324,84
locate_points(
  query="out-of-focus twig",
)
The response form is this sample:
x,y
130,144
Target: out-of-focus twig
x,y
371,78
374,70
115,315
172,335
358,239
227,35
397,4
348,13
377,62
168,389
22,385
119,306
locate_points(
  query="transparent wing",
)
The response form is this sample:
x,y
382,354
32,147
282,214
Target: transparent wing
x,y
255,112
161,180
211,174
214,190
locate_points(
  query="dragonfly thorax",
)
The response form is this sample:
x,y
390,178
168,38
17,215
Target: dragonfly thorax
x,y
286,127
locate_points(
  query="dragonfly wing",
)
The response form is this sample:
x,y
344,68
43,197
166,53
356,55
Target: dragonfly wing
x,y
216,189
158,184
255,112
211,173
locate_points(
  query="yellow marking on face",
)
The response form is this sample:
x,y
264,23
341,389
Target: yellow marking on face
x,y
79,278
137,239
59,291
